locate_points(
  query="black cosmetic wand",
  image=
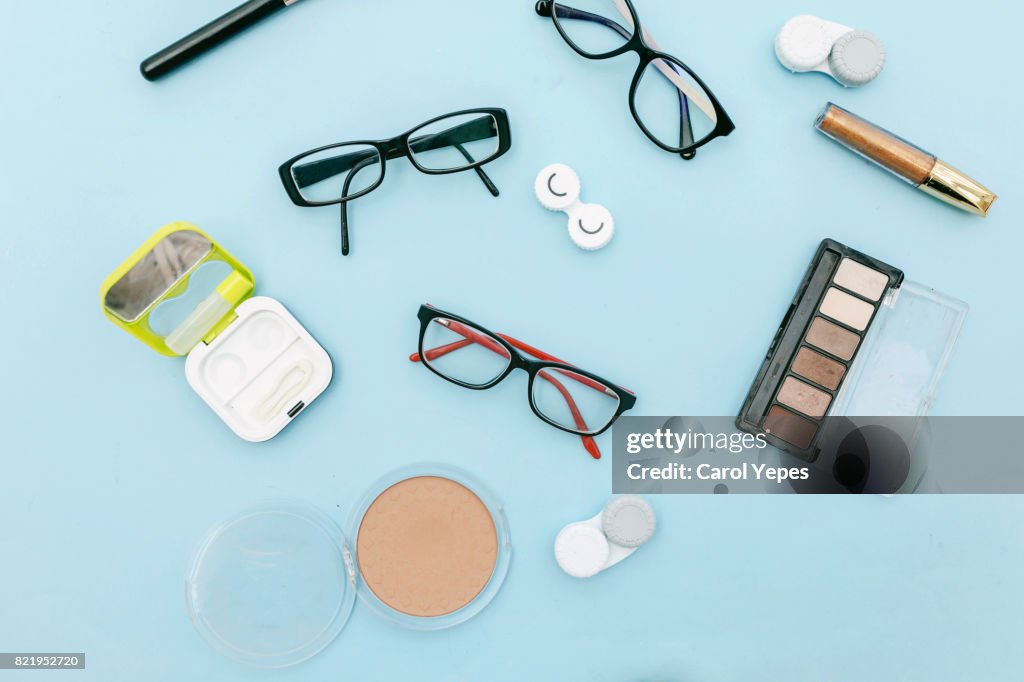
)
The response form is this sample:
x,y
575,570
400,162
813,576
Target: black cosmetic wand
x,y
211,35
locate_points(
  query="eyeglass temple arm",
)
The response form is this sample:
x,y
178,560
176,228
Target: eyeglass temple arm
x,y
307,174
577,418
537,353
491,187
685,127
345,247
471,131
472,337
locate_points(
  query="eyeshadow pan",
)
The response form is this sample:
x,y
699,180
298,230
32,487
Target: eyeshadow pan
x,y
843,307
818,368
804,398
791,428
832,338
861,279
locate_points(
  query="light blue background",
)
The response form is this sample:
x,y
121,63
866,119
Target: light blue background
x,y
97,531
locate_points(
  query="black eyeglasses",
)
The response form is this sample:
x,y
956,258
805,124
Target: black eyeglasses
x,y
452,143
669,102
564,396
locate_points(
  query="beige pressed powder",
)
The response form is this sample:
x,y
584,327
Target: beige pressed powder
x,y
427,546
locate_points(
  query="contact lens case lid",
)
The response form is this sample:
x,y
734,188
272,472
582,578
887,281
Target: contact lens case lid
x,y
557,187
810,43
171,280
585,548
180,293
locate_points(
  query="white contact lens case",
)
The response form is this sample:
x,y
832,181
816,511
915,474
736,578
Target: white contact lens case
x,y
261,371
557,187
809,43
586,548
248,358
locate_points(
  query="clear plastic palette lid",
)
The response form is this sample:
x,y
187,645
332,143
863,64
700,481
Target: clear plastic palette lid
x,y
904,355
273,586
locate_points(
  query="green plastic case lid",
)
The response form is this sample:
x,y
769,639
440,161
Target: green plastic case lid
x,y
178,288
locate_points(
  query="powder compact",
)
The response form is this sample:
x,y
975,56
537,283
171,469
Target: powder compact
x,y
248,358
426,548
276,584
857,340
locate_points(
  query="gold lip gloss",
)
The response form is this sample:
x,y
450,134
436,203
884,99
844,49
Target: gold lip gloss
x,y
905,160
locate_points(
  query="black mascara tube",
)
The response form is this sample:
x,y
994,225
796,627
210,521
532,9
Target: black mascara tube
x,y
209,36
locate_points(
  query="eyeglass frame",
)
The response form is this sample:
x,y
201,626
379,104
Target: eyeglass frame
x,y
626,398
396,147
638,44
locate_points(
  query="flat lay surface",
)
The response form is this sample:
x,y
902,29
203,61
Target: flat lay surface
x,y
115,469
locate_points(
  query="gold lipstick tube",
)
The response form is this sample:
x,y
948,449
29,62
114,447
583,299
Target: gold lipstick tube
x,y
905,160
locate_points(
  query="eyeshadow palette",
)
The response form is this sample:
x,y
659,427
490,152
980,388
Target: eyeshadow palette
x,y
815,347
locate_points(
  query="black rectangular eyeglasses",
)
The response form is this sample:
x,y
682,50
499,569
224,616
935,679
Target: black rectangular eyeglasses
x,y
670,103
564,396
338,173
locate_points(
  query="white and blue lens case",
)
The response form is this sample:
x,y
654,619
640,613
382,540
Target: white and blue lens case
x,y
586,548
809,43
557,187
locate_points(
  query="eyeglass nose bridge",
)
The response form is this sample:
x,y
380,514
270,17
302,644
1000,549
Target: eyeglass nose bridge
x,y
523,363
393,148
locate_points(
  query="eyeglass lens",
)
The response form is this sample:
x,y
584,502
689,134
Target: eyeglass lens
x,y
455,142
463,353
573,401
595,27
337,172
674,108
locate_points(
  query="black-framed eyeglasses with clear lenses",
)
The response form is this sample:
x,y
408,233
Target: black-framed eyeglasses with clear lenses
x,y
563,395
452,143
670,103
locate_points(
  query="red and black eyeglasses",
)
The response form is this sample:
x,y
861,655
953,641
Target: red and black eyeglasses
x,y
565,396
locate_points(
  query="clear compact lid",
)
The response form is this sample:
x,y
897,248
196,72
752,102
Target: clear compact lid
x,y
898,369
273,586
